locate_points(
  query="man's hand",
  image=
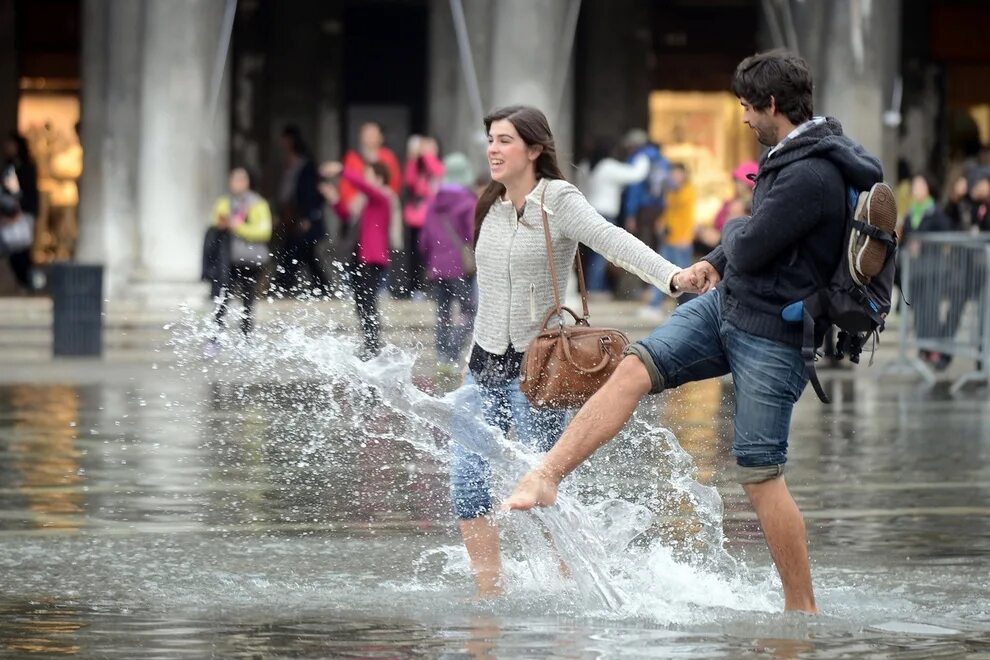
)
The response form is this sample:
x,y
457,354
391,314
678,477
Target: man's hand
x,y
699,278
534,489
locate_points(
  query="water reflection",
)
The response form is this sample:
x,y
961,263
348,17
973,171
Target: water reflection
x,y
39,445
188,517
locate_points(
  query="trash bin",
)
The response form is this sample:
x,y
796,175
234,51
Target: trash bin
x,y
77,309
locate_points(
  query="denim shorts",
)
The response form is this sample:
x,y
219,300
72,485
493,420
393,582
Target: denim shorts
x,y
697,343
505,407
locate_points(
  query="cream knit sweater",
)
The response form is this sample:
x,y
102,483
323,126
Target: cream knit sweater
x,y
514,285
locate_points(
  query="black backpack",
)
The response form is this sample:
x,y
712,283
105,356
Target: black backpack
x,y
857,310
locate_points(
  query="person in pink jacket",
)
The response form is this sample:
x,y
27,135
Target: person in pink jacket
x,y
421,176
371,252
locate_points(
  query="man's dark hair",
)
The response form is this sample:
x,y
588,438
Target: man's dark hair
x,y
778,74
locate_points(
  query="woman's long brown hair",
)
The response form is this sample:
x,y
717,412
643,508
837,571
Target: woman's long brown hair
x,y
534,129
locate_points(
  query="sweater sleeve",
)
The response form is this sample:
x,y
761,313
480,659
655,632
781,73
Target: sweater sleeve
x,y
791,209
258,226
579,221
717,259
372,192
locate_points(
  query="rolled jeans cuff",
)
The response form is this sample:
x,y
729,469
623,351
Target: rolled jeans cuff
x,y
757,475
657,381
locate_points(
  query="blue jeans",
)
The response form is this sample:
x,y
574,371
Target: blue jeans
x,y
769,376
504,407
595,269
682,256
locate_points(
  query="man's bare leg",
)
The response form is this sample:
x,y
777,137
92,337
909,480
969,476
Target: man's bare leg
x,y
598,421
783,529
482,543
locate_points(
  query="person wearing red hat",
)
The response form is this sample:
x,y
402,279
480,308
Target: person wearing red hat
x,y
737,205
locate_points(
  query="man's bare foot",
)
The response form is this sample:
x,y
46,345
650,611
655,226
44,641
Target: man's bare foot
x,y
488,594
534,489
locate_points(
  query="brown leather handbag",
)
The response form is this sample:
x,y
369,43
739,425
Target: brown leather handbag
x,y
565,364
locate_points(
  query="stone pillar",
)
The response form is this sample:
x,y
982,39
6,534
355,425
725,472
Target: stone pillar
x,y
530,65
854,51
183,149
111,104
518,49
453,119
8,67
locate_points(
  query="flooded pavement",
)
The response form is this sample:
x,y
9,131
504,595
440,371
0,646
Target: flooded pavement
x,y
212,510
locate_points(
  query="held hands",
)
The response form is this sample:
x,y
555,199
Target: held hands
x,y
699,278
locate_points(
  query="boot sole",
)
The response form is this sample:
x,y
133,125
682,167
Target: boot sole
x,y
870,255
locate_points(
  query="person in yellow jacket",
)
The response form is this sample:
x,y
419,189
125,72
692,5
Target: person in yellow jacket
x,y
245,222
677,225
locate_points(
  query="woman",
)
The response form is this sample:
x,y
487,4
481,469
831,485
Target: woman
x,y
514,294
245,224
422,175
448,231
371,256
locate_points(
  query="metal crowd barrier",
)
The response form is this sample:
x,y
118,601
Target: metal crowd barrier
x,y
945,303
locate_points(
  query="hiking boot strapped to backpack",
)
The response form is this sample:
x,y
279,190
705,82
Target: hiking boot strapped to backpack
x,y
857,297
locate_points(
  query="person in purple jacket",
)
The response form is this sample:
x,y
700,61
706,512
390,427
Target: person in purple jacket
x,y
447,234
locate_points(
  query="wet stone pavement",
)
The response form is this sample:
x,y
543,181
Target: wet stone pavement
x,y
173,513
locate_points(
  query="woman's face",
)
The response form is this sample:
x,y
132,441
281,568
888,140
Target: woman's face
x,y
238,182
919,189
509,157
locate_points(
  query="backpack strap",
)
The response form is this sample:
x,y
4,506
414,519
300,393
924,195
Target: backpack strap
x,y
809,356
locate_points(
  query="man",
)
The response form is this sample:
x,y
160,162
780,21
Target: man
x,y
765,262
371,149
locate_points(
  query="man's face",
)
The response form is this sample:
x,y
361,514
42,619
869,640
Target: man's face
x,y
761,122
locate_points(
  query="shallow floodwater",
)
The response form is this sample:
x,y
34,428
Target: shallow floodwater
x,y
283,501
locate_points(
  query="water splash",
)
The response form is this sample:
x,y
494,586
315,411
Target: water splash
x,y
659,554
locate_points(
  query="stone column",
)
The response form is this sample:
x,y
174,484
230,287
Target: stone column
x,y
518,49
531,63
183,149
453,119
854,51
111,104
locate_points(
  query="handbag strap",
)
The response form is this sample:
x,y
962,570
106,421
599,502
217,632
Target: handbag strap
x,y
553,266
